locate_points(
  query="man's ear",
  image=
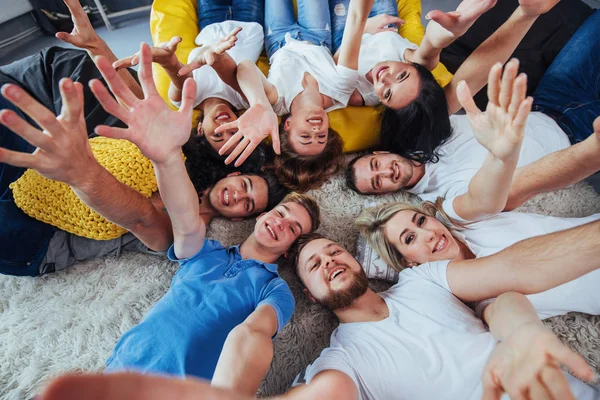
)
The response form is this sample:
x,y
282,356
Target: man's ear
x,y
236,173
287,124
286,255
381,152
310,296
260,215
200,130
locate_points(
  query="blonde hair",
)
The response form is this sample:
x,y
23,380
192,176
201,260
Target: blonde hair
x,y
372,221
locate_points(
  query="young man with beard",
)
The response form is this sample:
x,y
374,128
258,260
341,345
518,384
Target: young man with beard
x,y
419,341
225,304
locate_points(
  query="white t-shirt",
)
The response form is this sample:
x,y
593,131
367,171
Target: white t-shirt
x,y
431,346
289,64
462,156
248,47
499,231
382,46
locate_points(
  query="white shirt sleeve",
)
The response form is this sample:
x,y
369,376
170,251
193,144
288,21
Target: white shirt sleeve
x,y
434,271
331,359
448,207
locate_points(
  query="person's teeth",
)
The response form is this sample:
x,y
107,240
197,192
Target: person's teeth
x,y
440,244
271,231
226,197
336,273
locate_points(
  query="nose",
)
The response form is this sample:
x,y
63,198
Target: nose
x,y
239,196
429,236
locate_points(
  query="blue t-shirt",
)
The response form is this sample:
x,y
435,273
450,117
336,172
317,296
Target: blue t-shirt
x,y
212,293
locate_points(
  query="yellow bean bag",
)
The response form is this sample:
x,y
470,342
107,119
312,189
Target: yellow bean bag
x,y
358,126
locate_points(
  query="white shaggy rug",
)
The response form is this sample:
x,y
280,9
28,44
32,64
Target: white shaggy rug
x,y
70,321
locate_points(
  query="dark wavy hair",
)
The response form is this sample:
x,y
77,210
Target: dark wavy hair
x,y
418,129
276,190
302,173
350,175
206,167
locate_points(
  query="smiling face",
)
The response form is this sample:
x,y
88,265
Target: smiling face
x,y
332,275
308,130
396,83
213,118
239,196
383,172
420,238
280,227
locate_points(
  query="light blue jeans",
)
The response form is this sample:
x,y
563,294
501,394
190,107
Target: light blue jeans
x,y
339,13
213,11
313,24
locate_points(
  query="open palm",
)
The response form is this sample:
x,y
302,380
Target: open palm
x,y
163,54
207,55
83,34
153,126
459,21
502,127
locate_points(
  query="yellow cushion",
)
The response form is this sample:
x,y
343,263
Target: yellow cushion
x,y
358,126
55,203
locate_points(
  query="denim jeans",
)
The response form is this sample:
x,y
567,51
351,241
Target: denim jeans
x,y
213,11
313,24
339,13
569,91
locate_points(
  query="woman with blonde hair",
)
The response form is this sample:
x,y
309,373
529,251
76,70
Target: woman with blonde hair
x,y
472,225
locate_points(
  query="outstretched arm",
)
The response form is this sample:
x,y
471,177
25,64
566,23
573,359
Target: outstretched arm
x,y
64,154
358,12
247,353
445,28
557,170
529,356
147,122
497,48
530,266
500,130
85,37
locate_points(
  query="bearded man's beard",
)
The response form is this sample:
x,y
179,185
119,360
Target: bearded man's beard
x,y
344,298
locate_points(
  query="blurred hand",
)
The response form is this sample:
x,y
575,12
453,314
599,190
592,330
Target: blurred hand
x,y
501,128
528,366
208,54
63,152
381,23
83,34
163,54
157,130
456,23
253,126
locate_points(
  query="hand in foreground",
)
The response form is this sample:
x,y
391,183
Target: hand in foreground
x,y
456,23
502,127
156,129
163,54
83,34
381,22
63,152
208,54
132,386
253,126
527,366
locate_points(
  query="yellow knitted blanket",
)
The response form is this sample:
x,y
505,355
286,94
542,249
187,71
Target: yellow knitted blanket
x,y
55,203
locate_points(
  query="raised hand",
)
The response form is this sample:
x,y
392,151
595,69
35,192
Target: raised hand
x,y
83,34
527,365
502,127
163,54
456,23
258,122
382,22
63,152
153,126
208,54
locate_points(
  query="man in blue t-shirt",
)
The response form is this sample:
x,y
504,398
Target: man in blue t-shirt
x,y
225,305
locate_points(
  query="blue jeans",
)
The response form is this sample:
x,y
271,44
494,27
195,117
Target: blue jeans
x,y
213,11
569,91
339,13
313,24
23,240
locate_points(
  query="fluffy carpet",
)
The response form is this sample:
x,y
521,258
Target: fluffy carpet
x,y
70,321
